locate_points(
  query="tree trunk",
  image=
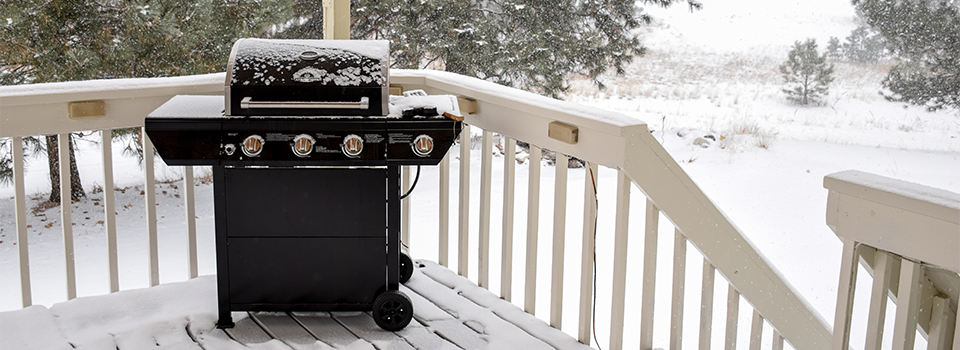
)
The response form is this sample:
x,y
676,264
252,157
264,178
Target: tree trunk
x,y
53,161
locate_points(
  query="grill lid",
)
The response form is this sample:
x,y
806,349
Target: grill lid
x,y
308,77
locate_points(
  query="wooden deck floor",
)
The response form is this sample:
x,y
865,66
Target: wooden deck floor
x,y
450,312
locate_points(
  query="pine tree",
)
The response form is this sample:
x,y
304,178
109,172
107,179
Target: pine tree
x,y
864,46
532,44
925,36
806,73
63,40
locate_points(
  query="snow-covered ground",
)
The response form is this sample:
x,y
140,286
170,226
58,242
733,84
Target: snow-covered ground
x,y
709,72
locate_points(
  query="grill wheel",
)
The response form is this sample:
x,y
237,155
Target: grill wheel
x,y
392,310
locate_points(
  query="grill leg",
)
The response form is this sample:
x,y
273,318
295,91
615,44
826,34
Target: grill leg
x,y
393,227
220,221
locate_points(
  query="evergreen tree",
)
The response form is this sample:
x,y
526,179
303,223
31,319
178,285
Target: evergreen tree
x,y
834,49
532,44
925,36
63,40
806,73
864,46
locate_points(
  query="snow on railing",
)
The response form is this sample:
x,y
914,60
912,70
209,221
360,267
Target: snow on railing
x,y
618,143
907,236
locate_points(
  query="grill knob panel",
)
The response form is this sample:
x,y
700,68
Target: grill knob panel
x,y
303,145
422,145
352,146
252,145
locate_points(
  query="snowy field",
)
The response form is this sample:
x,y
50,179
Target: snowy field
x,y
712,72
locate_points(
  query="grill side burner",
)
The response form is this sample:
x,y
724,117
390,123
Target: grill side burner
x,y
306,158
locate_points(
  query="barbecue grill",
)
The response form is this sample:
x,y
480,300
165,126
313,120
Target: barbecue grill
x,y
305,148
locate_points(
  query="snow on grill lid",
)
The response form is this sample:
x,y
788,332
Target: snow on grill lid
x,y
315,62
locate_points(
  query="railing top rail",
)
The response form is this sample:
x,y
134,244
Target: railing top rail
x,y
43,109
935,202
14,95
918,222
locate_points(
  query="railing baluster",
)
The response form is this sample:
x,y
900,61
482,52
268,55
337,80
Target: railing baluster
x,y
444,211
956,333
405,209
509,172
908,306
191,214
706,305
939,324
486,172
23,253
777,340
883,263
733,313
647,301
109,209
150,202
587,254
679,273
559,231
533,220
756,331
619,261
845,289
464,232
66,214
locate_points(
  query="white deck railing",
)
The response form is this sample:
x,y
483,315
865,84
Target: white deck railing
x,y
605,139
908,237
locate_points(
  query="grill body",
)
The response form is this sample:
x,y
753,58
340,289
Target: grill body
x,y
310,221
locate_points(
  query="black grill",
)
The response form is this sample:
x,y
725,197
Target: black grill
x,y
306,153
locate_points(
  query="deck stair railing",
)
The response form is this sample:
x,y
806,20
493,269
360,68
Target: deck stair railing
x,y
907,236
604,139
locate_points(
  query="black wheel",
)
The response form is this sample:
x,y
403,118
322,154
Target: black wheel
x,y
406,268
392,310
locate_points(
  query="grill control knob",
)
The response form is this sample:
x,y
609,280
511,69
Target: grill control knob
x,y
422,145
352,146
252,145
229,149
303,145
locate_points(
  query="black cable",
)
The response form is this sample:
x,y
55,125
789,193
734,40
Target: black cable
x,y
414,184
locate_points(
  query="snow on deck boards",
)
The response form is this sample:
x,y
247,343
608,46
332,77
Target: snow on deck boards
x,y
450,312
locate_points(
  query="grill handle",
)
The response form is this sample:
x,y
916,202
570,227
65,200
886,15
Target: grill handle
x,y
246,103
